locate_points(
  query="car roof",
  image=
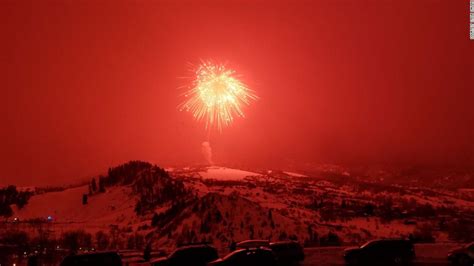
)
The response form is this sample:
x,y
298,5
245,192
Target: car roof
x,y
233,253
283,242
253,241
385,241
244,250
191,246
153,260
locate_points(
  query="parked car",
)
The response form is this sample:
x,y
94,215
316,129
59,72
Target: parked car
x,y
287,252
463,255
191,255
390,251
93,259
252,244
247,257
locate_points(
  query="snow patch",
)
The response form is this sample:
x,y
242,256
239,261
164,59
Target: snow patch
x,y
223,173
295,174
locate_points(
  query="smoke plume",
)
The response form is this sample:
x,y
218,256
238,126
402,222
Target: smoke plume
x,y
207,152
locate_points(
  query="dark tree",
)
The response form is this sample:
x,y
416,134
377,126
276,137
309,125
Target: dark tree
x,y
233,245
311,234
147,252
72,240
204,228
369,209
101,185
426,210
10,195
155,219
93,185
102,240
5,210
218,216
139,208
131,242
343,204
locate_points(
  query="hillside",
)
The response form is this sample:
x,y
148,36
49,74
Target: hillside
x,y
115,206
221,205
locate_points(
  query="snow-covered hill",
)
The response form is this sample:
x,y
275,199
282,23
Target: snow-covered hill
x,y
221,205
66,210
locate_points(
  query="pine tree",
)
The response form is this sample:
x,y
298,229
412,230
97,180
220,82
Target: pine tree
x,y
102,240
155,219
101,185
93,185
343,204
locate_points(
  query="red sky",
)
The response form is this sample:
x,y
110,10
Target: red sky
x,y
91,84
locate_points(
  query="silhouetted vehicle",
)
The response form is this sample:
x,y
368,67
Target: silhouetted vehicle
x,y
375,252
5,254
33,260
287,252
462,256
192,255
247,257
93,259
252,244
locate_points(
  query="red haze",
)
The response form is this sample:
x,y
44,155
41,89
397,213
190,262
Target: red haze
x,y
89,84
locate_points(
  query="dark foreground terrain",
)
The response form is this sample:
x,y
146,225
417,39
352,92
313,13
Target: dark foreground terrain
x,y
427,254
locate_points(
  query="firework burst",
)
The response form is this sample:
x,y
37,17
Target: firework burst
x,y
216,95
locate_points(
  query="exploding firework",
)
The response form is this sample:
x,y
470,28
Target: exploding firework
x,y
216,95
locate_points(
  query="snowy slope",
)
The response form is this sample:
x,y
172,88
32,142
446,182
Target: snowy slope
x,y
115,206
